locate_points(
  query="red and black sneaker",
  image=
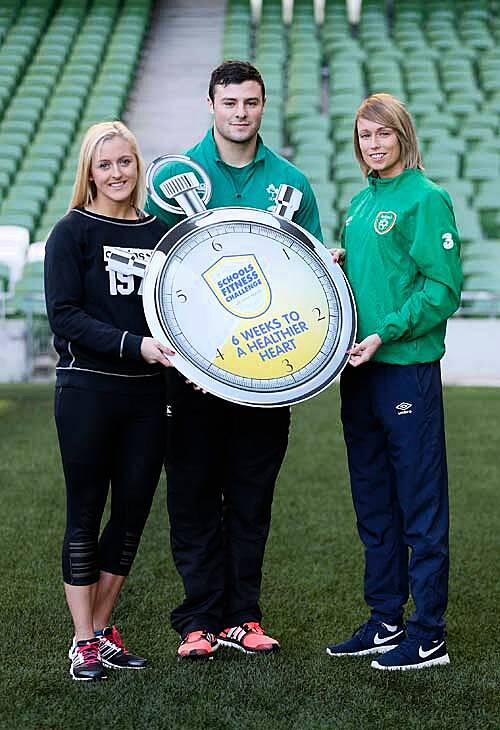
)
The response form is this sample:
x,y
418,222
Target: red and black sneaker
x,y
114,653
85,662
249,638
197,645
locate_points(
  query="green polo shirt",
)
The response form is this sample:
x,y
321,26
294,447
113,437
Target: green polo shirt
x,y
403,263
252,186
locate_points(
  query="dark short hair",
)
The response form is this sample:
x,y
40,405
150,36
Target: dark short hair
x,y
234,72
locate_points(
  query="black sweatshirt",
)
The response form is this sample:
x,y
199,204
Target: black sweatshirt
x,y
95,310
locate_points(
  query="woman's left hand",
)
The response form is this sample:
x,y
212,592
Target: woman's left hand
x,y
365,350
338,255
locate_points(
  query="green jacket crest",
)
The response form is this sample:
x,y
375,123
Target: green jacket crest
x,y
403,263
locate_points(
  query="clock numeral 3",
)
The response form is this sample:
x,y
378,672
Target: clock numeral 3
x,y
181,296
320,316
288,364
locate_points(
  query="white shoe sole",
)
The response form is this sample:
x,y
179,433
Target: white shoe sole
x,y
85,679
429,663
230,644
108,665
374,650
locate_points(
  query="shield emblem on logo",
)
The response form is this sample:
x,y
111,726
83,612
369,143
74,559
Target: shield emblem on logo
x,y
240,285
384,221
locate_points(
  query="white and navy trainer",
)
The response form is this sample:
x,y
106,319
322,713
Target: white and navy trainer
x,y
373,637
414,653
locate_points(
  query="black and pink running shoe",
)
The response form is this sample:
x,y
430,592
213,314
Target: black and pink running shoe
x,y
85,663
114,654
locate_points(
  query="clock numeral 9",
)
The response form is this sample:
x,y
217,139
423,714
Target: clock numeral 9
x,y
216,246
288,364
320,316
181,296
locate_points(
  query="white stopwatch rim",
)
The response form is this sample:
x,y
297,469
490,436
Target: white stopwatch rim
x,y
166,250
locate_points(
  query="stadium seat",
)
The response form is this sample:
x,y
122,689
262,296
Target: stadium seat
x,y
479,166
487,203
14,243
469,227
4,277
36,254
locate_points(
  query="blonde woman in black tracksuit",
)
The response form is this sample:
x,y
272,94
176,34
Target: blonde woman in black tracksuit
x,y
109,404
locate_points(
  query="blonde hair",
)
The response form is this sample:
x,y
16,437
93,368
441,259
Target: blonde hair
x,y
84,189
385,109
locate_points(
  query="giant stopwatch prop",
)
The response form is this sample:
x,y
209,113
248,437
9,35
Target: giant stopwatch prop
x,y
252,304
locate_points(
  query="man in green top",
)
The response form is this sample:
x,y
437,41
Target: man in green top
x,y
223,458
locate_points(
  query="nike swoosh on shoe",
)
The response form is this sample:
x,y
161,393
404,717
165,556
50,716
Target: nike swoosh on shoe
x,y
377,640
424,654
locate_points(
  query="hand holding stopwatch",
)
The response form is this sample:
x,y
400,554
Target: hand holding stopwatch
x,y
252,303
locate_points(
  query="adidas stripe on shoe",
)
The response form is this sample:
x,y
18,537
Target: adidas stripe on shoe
x,y
114,653
249,638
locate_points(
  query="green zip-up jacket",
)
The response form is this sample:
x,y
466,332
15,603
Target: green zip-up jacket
x,y
403,263
252,186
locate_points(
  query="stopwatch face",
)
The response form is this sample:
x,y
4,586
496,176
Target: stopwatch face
x,y
252,304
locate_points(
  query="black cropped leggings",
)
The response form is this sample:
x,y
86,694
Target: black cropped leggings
x,y
107,439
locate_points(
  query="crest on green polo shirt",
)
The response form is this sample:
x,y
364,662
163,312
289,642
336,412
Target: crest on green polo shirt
x,y
384,221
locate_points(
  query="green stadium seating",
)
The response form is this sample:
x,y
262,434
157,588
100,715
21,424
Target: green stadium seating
x,y
58,61
65,65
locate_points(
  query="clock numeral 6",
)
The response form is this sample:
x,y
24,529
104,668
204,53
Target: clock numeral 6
x,y
288,364
216,246
320,316
181,296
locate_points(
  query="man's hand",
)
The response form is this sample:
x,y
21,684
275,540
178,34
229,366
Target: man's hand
x,y
196,387
154,351
338,255
364,351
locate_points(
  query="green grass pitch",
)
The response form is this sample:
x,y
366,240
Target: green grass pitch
x,y
312,595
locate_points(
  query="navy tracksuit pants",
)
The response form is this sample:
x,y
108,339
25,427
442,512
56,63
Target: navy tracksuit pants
x,y
394,432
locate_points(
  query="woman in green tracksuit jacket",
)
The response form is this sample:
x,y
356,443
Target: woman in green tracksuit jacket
x,y
402,260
